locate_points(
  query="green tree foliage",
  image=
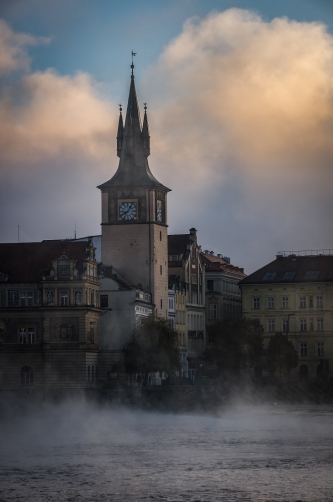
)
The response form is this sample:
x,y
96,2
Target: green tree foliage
x,y
281,355
153,347
235,346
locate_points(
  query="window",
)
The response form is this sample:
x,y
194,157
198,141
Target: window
x,y
320,349
92,332
330,274
213,311
303,349
78,297
64,297
302,302
13,298
285,302
285,327
256,303
194,279
271,325
270,302
26,335
160,236
161,270
288,276
50,297
269,276
194,298
172,322
320,324
161,304
319,301
310,302
303,326
63,270
104,301
27,377
312,275
171,304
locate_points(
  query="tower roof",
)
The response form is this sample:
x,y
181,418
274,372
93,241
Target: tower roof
x,y
133,149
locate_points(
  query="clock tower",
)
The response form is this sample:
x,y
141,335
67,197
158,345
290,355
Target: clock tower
x,y
134,211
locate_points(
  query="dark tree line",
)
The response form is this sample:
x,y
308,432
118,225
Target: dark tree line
x,y
236,348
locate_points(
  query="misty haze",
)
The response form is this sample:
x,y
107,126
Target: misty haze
x,y
80,452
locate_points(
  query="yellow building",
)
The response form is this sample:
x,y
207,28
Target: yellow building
x,y
294,294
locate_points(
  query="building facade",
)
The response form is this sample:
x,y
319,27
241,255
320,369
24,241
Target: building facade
x,y
294,295
134,211
223,295
187,270
49,315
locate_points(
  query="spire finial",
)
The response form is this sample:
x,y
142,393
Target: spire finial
x,y
120,107
145,106
132,65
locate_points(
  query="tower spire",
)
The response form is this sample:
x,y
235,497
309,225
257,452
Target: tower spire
x,y
133,146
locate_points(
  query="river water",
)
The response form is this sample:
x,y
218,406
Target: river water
x,y
77,452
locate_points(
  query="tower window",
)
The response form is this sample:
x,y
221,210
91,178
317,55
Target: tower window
x,y
161,304
160,236
161,270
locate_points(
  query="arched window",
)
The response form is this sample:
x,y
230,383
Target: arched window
x,y
27,377
303,372
78,296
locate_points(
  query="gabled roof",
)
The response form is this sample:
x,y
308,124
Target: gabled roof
x,y
28,261
217,263
293,269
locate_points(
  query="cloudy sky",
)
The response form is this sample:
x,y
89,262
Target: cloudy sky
x,y
240,106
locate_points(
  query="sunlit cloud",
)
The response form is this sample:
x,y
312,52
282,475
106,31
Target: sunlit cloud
x,y
241,115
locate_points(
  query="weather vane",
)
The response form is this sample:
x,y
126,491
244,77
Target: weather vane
x,y
132,65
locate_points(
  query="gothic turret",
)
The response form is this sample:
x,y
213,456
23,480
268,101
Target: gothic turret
x,y
145,134
120,133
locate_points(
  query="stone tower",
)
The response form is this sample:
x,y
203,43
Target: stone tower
x,y
134,211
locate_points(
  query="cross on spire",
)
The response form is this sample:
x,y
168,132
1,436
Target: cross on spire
x,y
132,65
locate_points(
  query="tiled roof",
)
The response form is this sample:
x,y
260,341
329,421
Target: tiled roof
x,y
177,243
286,269
28,261
216,263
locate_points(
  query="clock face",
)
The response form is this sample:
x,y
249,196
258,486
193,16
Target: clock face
x,y
159,210
127,210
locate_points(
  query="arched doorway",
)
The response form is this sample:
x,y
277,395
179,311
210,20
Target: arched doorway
x,y
27,376
303,372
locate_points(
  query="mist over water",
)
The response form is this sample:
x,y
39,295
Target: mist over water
x,y
76,451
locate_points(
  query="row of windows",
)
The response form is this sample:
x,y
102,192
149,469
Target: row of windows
x,y
62,297
303,325
303,302
319,349
27,375
227,286
229,309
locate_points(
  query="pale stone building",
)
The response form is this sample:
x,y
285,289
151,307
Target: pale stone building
x,y
294,294
134,211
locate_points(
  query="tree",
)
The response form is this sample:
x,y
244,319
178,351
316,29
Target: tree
x,y
235,346
153,347
281,355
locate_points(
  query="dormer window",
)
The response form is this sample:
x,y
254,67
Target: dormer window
x,y
63,270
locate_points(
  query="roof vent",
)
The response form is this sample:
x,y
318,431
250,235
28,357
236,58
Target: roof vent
x,y
219,255
227,258
211,252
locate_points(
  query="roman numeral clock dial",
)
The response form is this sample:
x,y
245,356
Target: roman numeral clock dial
x,y
127,211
